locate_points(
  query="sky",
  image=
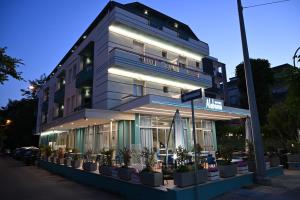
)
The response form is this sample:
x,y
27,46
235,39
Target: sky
x,y
40,32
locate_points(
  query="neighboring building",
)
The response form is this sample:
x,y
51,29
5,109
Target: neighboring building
x,y
281,74
120,85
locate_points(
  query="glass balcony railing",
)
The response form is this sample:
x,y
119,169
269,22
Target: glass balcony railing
x,y
85,77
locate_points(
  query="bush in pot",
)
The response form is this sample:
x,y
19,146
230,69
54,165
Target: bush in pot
x,y
226,168
105,164
60,156
125,172
89,164
53,156
185,172
76,160
67,158
148,175
251,158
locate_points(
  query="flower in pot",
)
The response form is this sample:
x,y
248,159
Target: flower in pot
x,y
125,172
226,168
105,164
89,163
148,176
60,156
185,172
76,159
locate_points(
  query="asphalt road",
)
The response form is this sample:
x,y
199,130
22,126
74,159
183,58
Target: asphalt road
x,y
29,182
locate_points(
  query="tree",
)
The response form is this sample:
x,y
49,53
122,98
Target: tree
x,y
35,85
8,67
263,80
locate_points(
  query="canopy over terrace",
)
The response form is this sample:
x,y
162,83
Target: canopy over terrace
x,y
205,108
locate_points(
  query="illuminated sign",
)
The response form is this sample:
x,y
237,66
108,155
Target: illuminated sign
x,y
214,104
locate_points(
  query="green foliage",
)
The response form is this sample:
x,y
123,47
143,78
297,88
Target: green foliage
x,y
106,159
126,156
263,80
225,152
182,157
149,157
36,84
8,66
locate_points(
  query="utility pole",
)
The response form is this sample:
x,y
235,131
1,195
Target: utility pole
x,y
260,174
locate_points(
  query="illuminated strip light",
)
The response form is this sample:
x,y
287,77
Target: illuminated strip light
x,y
172,113
143,77
153,41
51,132
188,113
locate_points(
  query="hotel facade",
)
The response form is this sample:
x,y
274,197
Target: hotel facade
x,y
120,85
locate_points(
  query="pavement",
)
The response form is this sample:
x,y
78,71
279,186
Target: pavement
x,y
29,182
286,187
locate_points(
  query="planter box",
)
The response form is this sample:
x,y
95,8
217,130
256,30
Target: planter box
x,y
293,165
213,176
153,179
135,178
227,170
293,157
115,172
242,170
125,173
274,161
68,161
53,159
59,161
89,166
105,170
76,163
188,178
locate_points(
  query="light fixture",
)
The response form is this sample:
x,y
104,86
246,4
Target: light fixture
x,y
152,79
154,41
84,37
59,65
146,12
175,25
72,123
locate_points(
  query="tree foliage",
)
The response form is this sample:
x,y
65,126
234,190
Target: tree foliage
x,y
35,85
8,67
263,80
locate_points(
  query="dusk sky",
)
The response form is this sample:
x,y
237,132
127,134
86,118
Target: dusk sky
x,y
40,32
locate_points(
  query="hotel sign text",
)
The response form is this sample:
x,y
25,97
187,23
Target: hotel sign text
x,y
214,104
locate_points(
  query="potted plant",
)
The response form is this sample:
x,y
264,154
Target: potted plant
x,y
68,158
125,172
89,163
213,174
53,156
251,158
76,159
185,173
148,175
242,167
226,168
105,165
60,156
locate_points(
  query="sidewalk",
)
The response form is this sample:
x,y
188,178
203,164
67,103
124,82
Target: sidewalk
x,y
286,187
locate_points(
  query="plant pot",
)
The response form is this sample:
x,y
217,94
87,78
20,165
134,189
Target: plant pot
x,y
293,157
251,165
67,161
59,161
242,169
213,176
274,161
89,166
53,159
227,170
184,179
105,170
125,173
153,179
76,163
115,172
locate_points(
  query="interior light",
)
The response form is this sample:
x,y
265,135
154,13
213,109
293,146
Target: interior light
x,y
154,41
152,79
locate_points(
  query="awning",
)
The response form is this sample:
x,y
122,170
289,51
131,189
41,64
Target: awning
x,y
205,108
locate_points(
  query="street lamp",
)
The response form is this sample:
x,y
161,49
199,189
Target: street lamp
x,y
260,175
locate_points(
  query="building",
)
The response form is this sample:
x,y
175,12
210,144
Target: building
x,y
279,89
120,85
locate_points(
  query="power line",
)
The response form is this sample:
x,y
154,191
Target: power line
x,y
263,4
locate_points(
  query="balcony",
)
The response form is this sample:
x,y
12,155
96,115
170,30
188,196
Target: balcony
x,y
85,77
59,95
163,68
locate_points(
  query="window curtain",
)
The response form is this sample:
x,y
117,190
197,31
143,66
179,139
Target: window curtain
x,y
146,132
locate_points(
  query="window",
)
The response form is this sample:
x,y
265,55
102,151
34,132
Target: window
x,y
138,88
182,61
165,89
164,54
74,71
70,76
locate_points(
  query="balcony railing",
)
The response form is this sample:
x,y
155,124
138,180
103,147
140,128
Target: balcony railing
x,y
85,77
162,63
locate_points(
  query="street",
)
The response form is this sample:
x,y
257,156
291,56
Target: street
x,y
29,182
